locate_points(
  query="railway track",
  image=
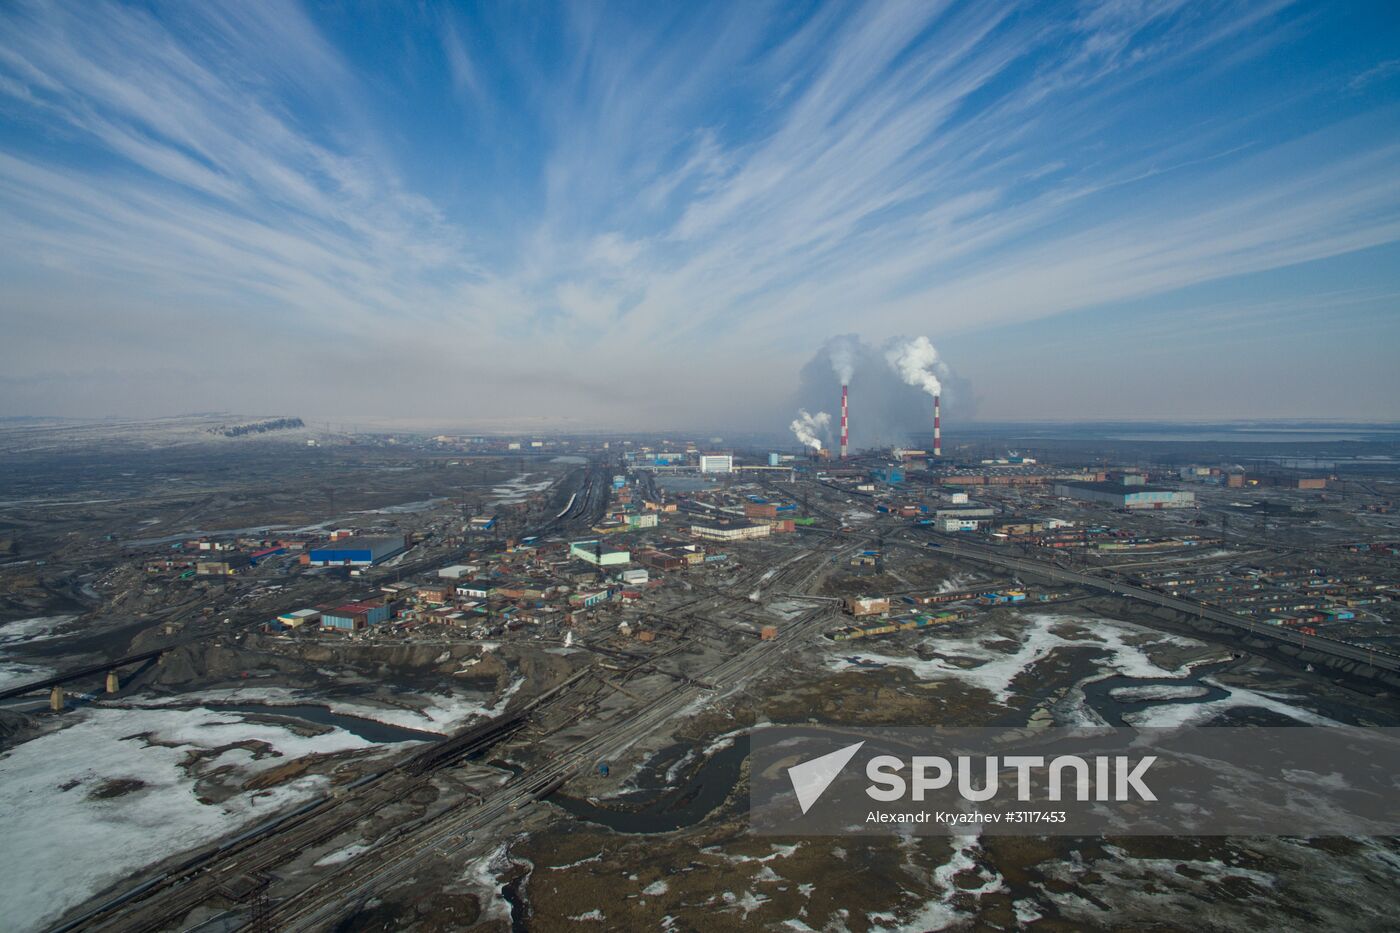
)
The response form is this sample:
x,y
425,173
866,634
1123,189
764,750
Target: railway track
x,y
379,869
161,901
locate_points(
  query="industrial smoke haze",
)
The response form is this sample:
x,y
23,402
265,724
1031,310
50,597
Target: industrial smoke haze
x,y
884,410
811,429
917,363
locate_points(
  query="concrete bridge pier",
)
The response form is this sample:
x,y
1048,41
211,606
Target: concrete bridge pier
x,y
56,699
113,682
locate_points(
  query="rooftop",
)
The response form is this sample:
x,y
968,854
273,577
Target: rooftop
x,y
360,543
1117,489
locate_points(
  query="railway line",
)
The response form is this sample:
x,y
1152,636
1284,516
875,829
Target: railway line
x,y
585,508
361,878
163,900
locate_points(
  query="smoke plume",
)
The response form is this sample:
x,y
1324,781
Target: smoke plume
x,y
812,429
885,410
917,363
843,351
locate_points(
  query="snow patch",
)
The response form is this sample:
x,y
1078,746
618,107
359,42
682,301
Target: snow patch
x,y
60,818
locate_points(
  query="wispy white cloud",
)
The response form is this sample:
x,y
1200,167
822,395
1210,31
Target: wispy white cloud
x,y
721,184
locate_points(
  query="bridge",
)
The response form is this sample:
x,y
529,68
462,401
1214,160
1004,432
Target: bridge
x,y
56,682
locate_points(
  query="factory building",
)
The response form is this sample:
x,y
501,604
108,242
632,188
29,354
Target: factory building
x,y
300,617
225,566
761,510
1127,496
357,551
866,605
599,555
476,589
716,463
354,617
978,512
889,475
731,531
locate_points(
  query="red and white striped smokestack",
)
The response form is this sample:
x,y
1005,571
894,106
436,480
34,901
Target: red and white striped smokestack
x,y
937,427
845,425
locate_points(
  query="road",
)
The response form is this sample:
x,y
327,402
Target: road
x,y
1379,659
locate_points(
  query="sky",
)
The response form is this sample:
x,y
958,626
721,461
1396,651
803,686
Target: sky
x,y
643,215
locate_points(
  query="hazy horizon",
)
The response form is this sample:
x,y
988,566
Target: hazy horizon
x,y
620,218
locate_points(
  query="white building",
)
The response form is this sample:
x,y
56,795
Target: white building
x,y
716,463
737,531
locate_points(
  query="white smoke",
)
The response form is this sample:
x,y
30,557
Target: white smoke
x,y
843,351
885,409
917,363
811,429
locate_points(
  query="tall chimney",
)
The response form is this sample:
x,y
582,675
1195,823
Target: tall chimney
x,y
845,432
937,427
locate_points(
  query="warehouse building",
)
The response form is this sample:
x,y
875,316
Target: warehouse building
x,y
355,617
599,555
300,617
1127,496
716,463
731,531
225,566
357,551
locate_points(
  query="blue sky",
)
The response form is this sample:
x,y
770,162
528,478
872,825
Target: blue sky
x,y
653,215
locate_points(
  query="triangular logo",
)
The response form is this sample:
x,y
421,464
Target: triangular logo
x,y
811,778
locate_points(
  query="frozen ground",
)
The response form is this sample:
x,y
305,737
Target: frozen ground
x,y
940,913
1122,642
118,790
14,672
1172,715
1127,649
518,489
441,713
1303,881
